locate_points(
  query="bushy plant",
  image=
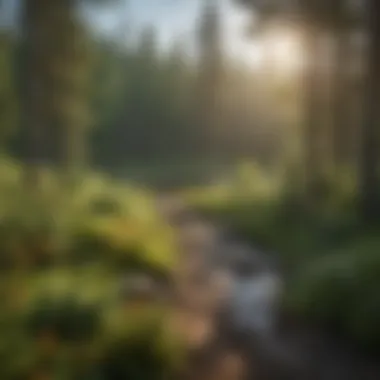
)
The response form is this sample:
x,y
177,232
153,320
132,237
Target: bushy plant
x,y
340,292
66,319
53,311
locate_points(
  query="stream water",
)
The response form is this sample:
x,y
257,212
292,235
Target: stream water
x,y
237,290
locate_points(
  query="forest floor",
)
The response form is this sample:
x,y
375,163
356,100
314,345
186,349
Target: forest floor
x,y
296,353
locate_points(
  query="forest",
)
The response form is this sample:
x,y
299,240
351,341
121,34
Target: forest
x,y
93,126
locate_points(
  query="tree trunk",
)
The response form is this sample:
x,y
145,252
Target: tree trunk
x,y
340,118
33,89
312,129
369,143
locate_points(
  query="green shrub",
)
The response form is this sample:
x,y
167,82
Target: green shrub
x,y
23,245
54,312
341,292
135,358
87,246
67,319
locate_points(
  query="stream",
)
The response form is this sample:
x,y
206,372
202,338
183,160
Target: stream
x,y
230,293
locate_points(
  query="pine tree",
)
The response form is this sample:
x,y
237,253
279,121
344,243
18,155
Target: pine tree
x,y
55,77
209,74
8,98
312,17
368,181
33,90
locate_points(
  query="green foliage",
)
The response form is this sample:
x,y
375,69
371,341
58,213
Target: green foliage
x,y
66,319
136,359
339,291
64,259
142,102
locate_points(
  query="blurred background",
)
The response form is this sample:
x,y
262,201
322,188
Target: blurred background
x,y
262,115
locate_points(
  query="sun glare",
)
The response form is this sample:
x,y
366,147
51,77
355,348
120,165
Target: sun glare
x,y
284,50
281,49
255,54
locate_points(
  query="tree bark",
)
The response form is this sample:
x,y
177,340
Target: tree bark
x,y
32,92
369,200
313,136
340,119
